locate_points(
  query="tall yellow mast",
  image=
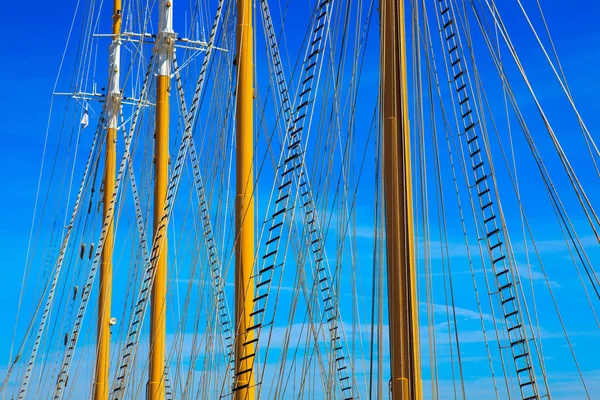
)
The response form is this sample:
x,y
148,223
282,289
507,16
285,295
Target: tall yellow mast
x,y
105,296
403,312
244,251
158,312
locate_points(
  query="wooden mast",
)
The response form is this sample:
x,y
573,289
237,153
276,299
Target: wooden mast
x,y
245,351
105,295
158,314
403,312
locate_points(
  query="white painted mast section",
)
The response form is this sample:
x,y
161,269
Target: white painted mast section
x,y
113,103
166,38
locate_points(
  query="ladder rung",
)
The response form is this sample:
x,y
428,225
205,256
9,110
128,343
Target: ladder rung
x,y
253,313
240,387
279,212
523,369
259,298
520,356
263,283
265,269
493,232
484,192
276,238
277,225
508,285
253,327
483,178
499,274
508,301
497,260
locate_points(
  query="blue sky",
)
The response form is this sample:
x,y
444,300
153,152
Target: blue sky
x,y
31,56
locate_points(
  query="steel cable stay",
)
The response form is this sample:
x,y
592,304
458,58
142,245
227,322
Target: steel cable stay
x,y
586,205
419,40
30,253
559,77
214,262
377,279
558,207
548,182
446,267
80,227
175,353
219,91
58,266
204,204
187,389
334,79
562,75
183,246
51,250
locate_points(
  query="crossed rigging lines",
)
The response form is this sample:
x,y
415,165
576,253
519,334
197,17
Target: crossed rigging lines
x,y
291,171
292,163
485,191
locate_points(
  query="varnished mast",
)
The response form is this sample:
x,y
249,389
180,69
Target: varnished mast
x,y
158,312
403,312
105,296
244,250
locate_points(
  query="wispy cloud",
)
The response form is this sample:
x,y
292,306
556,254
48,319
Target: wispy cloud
x,y
532,273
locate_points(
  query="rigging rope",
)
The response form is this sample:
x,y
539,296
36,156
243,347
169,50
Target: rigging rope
x,y
58,267
495,237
